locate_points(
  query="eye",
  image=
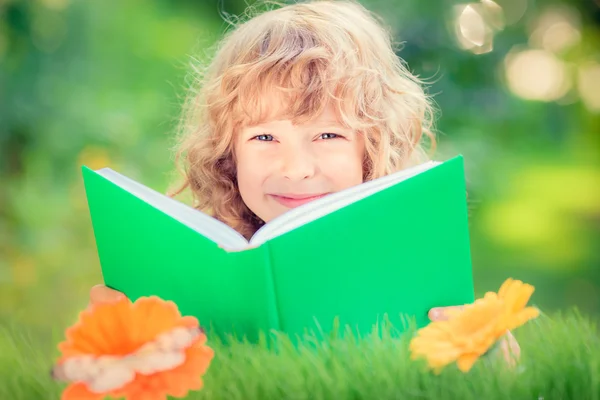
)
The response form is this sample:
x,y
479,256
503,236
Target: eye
x,y
329,136
263,138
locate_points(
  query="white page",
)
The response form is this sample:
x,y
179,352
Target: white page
x,y
226,236
204,224
299,216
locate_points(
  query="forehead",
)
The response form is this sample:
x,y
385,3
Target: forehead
x,y
277,107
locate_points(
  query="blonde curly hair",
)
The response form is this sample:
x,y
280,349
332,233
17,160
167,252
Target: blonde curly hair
x,y
313,53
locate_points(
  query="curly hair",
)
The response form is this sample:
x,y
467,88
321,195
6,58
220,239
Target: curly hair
x,y
314,53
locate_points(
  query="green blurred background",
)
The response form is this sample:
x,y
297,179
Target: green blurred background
x,y
101,83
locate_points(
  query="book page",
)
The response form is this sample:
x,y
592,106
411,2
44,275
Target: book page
x,y
204,224
335,201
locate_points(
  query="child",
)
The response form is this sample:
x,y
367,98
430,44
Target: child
x,y
299,102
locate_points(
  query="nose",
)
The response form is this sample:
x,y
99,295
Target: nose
x,y
297,163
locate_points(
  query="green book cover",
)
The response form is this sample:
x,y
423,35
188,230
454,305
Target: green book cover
x,y
396,246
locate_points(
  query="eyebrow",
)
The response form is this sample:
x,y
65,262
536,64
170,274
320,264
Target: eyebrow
x,y
334,126
325,124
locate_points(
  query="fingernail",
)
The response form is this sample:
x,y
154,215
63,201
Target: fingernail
x,y
435,313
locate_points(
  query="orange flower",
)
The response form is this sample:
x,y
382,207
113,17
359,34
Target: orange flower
x,y
469,333
141,351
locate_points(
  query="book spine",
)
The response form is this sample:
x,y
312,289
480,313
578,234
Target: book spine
x,y
272,303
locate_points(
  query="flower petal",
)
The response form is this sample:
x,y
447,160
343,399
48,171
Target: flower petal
x,y
466,361
79,391
506,286
154,316
148,395
522,317
97,331
521,298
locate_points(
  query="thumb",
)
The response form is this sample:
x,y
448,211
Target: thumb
x,y
100,294
443,313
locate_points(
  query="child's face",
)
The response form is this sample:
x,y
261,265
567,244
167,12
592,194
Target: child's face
x,y
281,166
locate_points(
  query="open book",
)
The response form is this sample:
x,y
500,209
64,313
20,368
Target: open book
x,y
395,245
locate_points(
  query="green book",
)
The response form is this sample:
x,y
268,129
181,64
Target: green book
x,y
389,248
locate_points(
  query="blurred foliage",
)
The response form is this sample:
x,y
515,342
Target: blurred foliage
x,y
95,83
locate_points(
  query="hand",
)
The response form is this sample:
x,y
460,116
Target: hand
x,y
508,344
101,294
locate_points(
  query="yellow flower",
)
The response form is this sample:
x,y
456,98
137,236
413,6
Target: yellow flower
x,y
469,333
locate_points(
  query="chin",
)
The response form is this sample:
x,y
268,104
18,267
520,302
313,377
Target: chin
x,y
272,215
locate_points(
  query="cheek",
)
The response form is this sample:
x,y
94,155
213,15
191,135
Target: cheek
x,y
345,169
346,165
250,176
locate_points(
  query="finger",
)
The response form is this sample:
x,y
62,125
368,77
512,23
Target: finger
x,y
511,350
442,313
100,294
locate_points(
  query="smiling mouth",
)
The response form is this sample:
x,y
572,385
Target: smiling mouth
x,y
294,200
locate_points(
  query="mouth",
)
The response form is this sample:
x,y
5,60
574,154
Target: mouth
x,y
290,200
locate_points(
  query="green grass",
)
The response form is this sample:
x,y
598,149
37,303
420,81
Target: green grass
x,y
560,360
